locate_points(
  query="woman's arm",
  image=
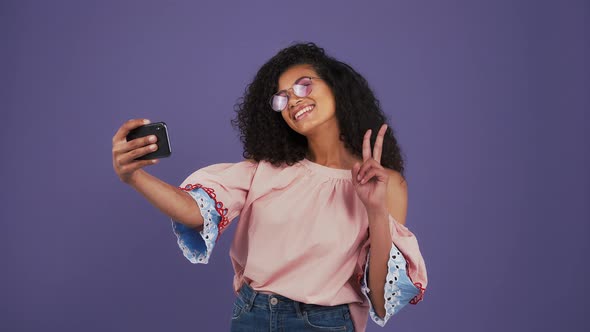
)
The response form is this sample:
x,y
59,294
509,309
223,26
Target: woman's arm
x,y
172,201
383,192
397,205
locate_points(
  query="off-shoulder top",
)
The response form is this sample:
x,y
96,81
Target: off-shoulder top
x,y
302,232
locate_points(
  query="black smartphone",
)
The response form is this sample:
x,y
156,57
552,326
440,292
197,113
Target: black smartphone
x,y
158,129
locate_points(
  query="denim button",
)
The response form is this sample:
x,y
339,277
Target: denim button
x,y
273,300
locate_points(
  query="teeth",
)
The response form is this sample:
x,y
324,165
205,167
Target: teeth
x,y
304,110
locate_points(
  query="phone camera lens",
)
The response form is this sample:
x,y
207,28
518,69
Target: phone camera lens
x,y
158,128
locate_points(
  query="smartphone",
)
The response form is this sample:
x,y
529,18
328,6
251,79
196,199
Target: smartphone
x,y
158,129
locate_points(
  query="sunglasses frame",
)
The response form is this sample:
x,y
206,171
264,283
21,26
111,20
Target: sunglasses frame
x,y
311,78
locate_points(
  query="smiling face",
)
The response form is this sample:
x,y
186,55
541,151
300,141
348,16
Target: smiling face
x,y
306,115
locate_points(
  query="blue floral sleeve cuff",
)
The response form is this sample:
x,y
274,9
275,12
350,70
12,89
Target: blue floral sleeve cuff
x,y
197,246
399,289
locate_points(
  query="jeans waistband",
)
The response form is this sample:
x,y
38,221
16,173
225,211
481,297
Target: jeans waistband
x,y
275,302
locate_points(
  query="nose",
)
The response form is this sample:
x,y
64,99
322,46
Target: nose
x,y
293,98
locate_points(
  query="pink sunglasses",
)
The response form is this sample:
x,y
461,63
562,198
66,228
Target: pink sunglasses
x,y
301,88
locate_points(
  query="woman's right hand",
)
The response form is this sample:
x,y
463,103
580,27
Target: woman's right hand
x,y
125,152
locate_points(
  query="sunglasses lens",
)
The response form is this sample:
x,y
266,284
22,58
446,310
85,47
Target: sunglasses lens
x,y
303,87
278,102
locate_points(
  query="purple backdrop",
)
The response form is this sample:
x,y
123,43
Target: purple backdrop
x,y
489,101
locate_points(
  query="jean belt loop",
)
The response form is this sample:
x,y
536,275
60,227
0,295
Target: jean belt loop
x,y
346,310
298,308
250,300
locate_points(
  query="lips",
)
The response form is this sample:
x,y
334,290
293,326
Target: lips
x,y
298,112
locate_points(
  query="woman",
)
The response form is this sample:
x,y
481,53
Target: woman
x,y
320,192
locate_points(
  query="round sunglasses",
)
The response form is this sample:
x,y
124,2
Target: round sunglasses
x,y
301,88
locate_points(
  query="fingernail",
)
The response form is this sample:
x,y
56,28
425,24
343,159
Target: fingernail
x,y
153,147
358,177
154,161
152,138
146,121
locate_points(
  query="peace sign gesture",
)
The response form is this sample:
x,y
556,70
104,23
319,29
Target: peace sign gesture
x,y
370,178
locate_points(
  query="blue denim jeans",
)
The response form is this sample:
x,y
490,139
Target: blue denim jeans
x,y
254,311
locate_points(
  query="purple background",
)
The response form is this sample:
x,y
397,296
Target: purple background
x,y
490,102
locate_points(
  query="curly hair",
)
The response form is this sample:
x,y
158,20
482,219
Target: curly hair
x,y
266,136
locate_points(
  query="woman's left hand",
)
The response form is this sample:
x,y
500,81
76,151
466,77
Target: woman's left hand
x,y
370,178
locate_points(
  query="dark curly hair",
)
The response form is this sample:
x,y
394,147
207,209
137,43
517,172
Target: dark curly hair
x,y
266,136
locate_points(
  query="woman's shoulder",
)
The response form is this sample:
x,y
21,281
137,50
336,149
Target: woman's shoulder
x,y
229,169
268,167
395,177
276,176
252,167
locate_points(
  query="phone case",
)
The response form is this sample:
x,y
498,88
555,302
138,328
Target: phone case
x,y
161,131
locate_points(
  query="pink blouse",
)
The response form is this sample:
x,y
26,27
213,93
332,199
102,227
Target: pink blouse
x,y
302,233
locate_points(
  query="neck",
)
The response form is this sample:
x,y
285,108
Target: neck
x,y
325,148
